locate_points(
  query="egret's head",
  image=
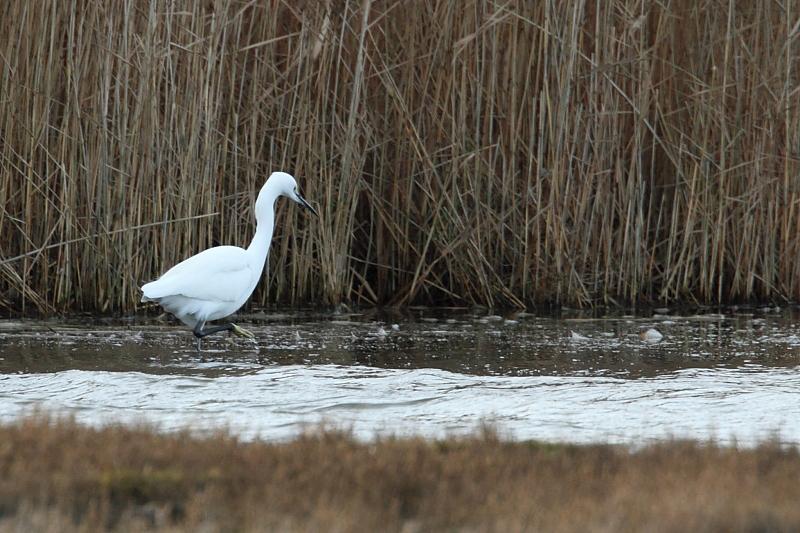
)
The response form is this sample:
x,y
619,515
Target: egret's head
x,y
280,184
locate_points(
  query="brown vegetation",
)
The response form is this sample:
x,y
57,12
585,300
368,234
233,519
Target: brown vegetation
x,y
61,476
505,153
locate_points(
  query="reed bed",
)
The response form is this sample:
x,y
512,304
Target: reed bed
x,y
59,476
505,153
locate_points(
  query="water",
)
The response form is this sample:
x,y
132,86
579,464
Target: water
x,y
733,377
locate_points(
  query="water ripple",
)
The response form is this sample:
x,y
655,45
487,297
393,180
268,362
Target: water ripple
x,y
738,404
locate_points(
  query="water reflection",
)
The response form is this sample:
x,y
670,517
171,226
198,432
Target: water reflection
x,y
459,342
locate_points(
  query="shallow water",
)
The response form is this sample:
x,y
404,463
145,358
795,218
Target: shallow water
x,y
733,377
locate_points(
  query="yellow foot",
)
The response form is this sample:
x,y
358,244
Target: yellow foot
x,y
242,332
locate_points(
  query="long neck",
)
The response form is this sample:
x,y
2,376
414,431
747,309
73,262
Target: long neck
x,y
259,246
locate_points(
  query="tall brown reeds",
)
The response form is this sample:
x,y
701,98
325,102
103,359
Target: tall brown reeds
x,y
503,153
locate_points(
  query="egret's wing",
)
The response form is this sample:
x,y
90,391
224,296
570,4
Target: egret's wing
x,y
218,274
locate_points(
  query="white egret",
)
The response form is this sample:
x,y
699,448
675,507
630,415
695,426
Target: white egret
x,y
216,282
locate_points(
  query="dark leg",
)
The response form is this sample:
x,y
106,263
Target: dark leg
x,y
200,332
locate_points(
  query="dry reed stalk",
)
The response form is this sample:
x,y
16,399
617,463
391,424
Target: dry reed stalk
x,y
503,153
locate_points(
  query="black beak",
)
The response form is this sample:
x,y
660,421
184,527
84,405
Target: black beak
x,y
302,201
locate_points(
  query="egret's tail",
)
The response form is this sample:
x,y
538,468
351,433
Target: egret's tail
x,y
148,292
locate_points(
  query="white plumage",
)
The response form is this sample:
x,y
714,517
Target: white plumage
x,y
216,282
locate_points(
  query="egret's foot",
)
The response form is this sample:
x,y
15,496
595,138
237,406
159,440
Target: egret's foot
x,y
236,330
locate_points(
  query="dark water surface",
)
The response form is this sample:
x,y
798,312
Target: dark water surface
x,y
733,376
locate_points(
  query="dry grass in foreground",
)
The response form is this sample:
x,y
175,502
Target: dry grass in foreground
x,y
57,476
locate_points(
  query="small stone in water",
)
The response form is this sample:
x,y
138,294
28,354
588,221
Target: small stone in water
x,y
651,335
577,336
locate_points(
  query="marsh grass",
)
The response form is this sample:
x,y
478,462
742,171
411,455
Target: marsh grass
x,y
59,476
503,153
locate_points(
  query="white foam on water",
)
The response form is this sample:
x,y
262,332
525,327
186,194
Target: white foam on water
x,y
745,404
